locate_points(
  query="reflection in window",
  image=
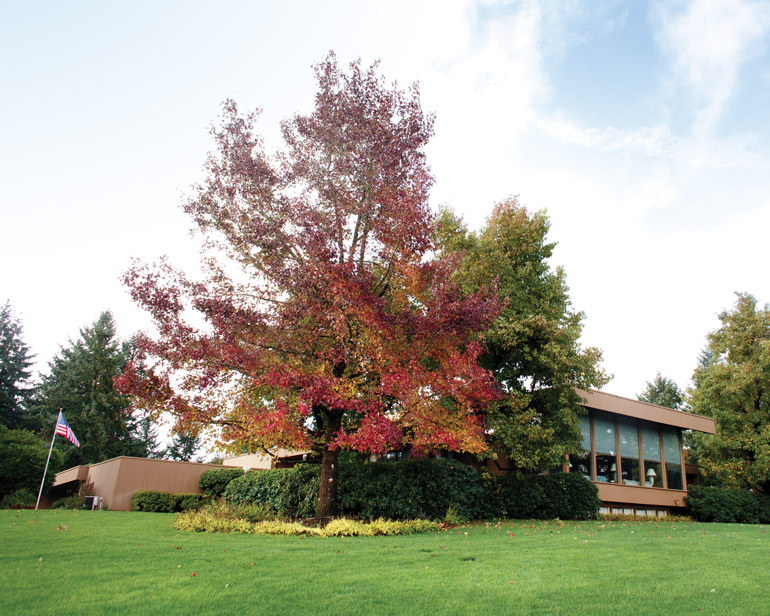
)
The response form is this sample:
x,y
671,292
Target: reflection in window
x,y
653,469
673,451
629,454
582,463
606,460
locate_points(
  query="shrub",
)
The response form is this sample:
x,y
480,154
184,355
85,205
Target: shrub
x,y
218,519
413,489
69,502
291,492
567,496
165,502
208,521
436,489
713,504
20,499
213,482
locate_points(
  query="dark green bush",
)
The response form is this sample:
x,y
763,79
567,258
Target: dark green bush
x,y
20,499
567,496
413,489
165,502
398,491
420,489
213,482
69,502
291,492
712,504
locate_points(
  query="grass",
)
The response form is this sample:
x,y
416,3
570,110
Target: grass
x,y
66,562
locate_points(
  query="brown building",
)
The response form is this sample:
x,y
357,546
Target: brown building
x,y
635,454
117,479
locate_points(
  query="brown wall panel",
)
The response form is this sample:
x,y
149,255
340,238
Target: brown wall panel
x,y
639,495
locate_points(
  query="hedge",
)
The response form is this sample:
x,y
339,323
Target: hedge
x,y
413,489
568,496
711,504
419,489
165,502
291,492
213,482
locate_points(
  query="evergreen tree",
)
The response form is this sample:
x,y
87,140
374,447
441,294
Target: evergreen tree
x,y
663,392
146,436
80,385
183,447
15,363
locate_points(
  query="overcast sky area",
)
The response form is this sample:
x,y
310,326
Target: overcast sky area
x,y
642,128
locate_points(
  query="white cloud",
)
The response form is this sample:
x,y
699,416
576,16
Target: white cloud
x,y
488,97
651,141
708,41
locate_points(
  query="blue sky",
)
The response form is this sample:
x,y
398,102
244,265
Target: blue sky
x,y
641,127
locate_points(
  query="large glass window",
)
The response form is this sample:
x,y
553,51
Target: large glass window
x,y
606,454
629,453
582,463
673,450
653,469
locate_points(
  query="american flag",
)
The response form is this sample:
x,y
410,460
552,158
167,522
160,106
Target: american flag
x,y
63,428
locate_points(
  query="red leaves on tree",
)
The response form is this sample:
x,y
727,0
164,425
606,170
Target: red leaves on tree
x,y
322,319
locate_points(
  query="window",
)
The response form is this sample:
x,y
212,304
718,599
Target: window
x,y
629,453
653,467
672,449
582,464
606,454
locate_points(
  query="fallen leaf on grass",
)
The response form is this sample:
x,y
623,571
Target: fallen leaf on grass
x,y
62,527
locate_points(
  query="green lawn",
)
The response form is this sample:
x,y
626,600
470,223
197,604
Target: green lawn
x,y
57,562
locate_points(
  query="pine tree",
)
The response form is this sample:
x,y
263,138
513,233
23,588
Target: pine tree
x,y
146,436
80,385
183,447
663,392
15,363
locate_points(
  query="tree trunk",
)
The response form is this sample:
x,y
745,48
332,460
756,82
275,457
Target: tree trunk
x,y
327,490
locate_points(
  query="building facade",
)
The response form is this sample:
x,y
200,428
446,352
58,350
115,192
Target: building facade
x,y
635,454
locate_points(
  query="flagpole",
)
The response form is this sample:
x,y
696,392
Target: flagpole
x,y
40,492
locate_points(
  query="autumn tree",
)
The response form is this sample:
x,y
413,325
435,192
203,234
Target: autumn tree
x,y
663,392
15,369
533,347
732,385
321,321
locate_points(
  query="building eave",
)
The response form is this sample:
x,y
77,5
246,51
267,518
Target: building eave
x,y
602,401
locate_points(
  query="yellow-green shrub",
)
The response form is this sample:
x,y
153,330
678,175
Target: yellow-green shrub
x,y
217,519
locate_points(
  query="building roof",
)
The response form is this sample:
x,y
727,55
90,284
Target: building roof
x,y
602,401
